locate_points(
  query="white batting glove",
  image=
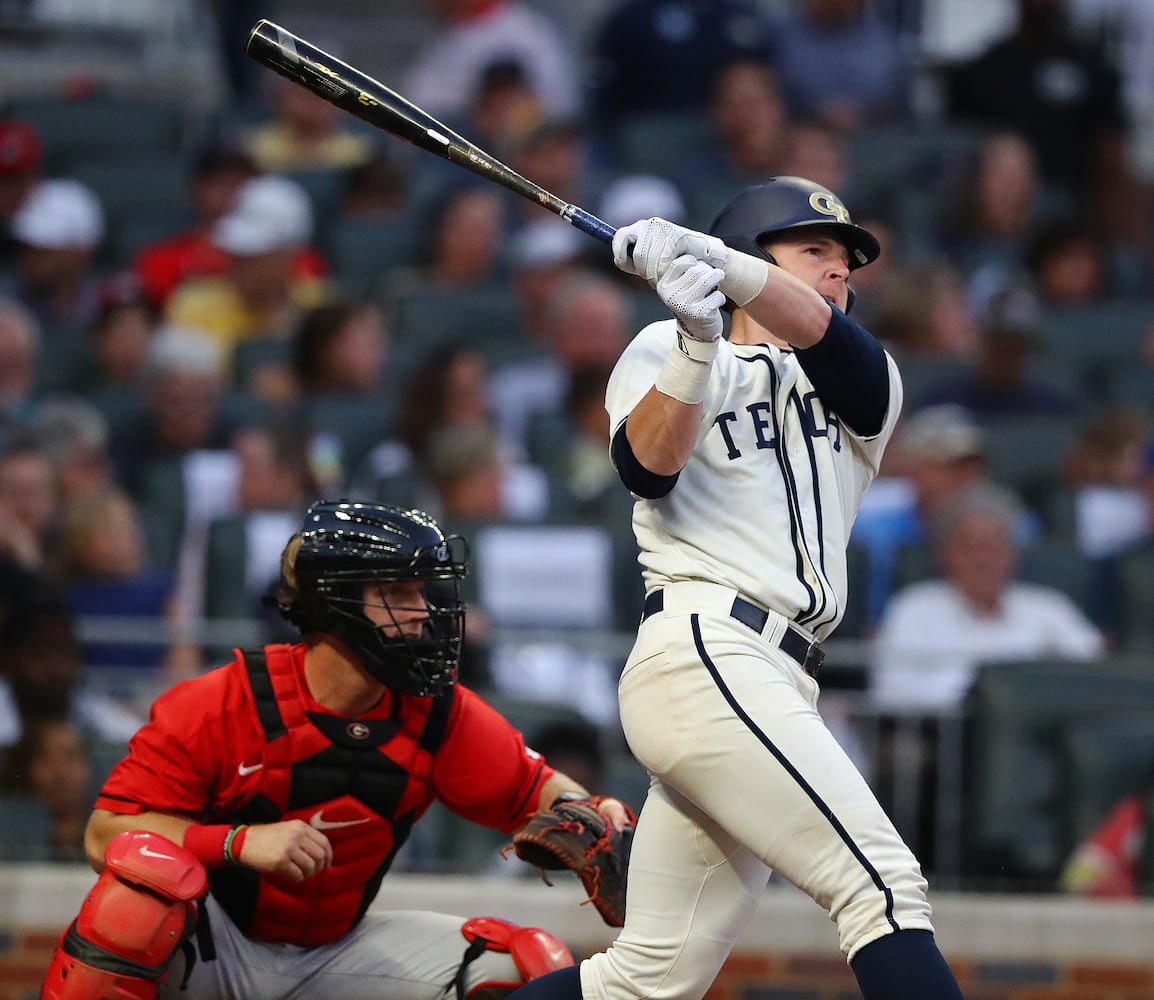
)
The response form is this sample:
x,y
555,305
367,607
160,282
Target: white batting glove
x,y
648,247
689,288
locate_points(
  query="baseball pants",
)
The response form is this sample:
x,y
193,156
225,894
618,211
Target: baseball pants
x,y
746,779
398,956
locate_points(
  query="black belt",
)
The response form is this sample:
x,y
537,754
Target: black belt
x,y
793,642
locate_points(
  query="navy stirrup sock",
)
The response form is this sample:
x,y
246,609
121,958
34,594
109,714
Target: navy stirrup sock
x,y
905,965
564,984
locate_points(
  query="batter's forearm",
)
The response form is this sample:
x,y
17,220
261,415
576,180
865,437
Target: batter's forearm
x,y
787,306
662,432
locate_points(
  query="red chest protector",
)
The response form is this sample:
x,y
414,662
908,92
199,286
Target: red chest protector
x,y
362,782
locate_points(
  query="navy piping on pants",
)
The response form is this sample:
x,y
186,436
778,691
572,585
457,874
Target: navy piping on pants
x,y
793,772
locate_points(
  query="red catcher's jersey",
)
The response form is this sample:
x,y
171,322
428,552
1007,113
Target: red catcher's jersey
x,y
247,743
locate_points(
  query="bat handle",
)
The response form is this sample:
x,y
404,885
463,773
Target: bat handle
x,y
588,223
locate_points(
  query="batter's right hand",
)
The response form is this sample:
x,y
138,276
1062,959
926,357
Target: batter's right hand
x,y
291,848
689,287
647,248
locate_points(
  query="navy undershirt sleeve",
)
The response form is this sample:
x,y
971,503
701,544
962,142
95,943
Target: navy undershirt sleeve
x,y
849,371
634,475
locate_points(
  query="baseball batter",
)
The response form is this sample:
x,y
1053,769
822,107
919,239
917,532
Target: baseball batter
x,y
748,458
287,781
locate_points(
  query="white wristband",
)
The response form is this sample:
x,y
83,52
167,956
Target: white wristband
x,y
745,277
683,378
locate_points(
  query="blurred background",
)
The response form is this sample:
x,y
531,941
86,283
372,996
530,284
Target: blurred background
x,y
220,298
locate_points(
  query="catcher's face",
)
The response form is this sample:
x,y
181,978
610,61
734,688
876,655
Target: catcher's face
x,y
398,608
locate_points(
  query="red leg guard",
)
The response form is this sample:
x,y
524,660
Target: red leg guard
x,y
534,952
131,923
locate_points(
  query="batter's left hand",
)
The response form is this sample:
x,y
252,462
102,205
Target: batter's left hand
x,y
647,248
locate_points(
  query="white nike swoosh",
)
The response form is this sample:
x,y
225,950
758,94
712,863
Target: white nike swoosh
x,y
155,854
319,823
243,769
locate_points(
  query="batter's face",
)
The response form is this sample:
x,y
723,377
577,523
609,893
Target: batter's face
x,y
397,607
819,260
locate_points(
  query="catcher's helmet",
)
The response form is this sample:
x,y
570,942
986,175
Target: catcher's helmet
x,y
343,547
781,204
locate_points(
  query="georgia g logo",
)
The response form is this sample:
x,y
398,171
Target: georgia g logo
x,y
828,204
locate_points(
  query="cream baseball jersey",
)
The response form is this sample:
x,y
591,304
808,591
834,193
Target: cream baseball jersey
x,y
767,500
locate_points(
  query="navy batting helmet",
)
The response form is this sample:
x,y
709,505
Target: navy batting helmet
x,y
342,547
782,204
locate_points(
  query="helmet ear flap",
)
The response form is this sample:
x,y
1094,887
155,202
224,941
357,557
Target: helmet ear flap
x,y
850,300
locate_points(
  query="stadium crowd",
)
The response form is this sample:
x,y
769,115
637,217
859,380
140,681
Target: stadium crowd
x,y
206,324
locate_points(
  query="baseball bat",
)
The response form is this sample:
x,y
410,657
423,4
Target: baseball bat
x,y
371,101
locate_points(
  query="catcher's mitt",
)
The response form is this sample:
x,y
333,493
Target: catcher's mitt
x,y
573,834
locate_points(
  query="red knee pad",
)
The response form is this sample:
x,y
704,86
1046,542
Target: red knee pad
x,y
130,925
534,952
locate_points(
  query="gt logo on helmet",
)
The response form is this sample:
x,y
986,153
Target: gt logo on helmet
x,y
827,204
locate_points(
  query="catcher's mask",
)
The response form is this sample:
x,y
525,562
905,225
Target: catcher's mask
x,y
343,548
786,204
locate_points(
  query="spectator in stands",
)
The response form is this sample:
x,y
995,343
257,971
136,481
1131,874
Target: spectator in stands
x,y
750,127
934,634
20,352
1109,510
262,294
216,176
29,503
340,348
1069,263
464,467
50,766
60,227
588,322
21,160
446,72
306,133
43,676
921,313
505,109
74,437
937,452
183,384
1124,593
447,398
585,475
465,238
1064,96
118,341
839,63
447,388
661,56
989,207
543,253
1003,382
373,191
103,566
274,486
558,156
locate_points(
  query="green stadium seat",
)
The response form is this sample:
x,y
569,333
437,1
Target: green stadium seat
x,y
1105,756
1013,826
362,252
75,130
429,315
648,144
